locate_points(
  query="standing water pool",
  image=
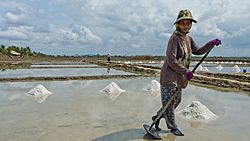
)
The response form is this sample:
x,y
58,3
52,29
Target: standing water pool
x,y
78,111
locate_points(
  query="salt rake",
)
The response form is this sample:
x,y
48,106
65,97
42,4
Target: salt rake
x,y
152,131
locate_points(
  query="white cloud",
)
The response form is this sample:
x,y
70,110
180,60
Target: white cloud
x,y
13,34
13,18
135,46
121,24
85,35
17,14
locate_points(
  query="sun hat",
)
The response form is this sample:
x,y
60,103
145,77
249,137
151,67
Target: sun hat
x,y
185,14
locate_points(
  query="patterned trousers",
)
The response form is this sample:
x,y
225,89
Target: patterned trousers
x,y
166,93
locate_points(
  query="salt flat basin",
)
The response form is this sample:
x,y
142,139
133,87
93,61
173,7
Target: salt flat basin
x,y
60,72
78,111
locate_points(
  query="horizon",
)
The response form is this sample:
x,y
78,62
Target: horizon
x,y
150,55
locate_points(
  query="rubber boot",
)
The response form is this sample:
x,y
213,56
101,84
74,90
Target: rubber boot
x,y
157,123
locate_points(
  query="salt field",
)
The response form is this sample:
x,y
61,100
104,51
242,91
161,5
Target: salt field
x,y
213,67
78,110
105,70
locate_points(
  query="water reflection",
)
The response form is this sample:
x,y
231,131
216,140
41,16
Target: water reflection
x,y
108,70
195,124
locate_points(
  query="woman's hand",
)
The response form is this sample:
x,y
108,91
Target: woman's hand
x,y
215,42
189,75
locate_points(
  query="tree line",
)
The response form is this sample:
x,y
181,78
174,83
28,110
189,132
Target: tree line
x,y
23,51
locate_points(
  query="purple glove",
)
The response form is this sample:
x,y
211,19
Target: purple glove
x,y
215,42
189,75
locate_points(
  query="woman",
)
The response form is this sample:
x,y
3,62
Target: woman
x,y
175,71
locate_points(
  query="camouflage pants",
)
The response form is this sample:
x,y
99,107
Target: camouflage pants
x,y
166,93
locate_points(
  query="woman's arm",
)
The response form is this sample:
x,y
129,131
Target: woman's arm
x,y
199,51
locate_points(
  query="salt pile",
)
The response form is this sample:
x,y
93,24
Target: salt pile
x,y
200,68
153,88
197,112
113,91
236,69
39,93
205,69
219,67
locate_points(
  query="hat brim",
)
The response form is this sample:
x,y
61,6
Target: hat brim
x,y
185,18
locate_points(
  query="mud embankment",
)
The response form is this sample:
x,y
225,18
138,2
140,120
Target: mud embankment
x,y
133,68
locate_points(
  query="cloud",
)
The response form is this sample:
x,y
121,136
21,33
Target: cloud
x,y
125,27
84,34
17,14
13,34
79,35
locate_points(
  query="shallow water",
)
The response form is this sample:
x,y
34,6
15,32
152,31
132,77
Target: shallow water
x,y
42,72
78,111
62,65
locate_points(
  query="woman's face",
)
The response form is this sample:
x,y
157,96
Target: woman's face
x,y
185,25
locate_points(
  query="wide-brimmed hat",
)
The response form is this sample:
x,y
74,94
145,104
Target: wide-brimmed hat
x,y
185,14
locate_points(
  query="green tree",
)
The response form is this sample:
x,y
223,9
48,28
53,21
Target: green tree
x,y
2,47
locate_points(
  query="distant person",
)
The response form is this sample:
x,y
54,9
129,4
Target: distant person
x,y
109,57
175,71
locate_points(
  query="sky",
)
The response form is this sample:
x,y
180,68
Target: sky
x,y
121,27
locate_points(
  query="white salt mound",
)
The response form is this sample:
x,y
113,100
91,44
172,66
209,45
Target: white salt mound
x,y
197,112
205,69
236,69
39,89
219,67
112,91
200,68
153,88
39,93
